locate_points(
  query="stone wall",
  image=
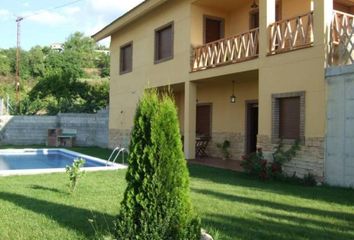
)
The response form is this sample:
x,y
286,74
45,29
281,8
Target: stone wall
x,y
92,129
237,144
119,137
310,159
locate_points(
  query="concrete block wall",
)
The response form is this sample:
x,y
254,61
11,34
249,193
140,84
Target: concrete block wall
x,y
25,130
92,129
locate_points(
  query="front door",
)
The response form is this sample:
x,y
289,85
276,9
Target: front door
x,y
203,127
251,126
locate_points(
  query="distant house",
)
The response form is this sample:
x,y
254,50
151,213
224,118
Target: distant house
x,y
57,47
250,72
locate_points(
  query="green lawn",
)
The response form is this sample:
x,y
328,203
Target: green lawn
x,y
238,207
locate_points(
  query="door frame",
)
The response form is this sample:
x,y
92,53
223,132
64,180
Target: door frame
x,y
222,25
247,127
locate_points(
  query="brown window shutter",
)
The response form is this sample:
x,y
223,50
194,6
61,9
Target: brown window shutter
x,y
254,19
203,120
126,58
213,30
164,43
289,118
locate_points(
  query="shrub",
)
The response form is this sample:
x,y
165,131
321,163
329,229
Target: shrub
x,y
75,173
156,202
256,165
224,148
309,180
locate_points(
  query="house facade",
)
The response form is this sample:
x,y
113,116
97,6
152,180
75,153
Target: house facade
x,y
250,72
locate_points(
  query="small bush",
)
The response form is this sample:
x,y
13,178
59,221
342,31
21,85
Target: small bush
x,y
256,165
156,202
75,173
309,180
224,148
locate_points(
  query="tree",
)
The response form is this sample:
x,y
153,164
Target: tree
x,y
4,64
24,62
64,62
36,61
60,91
156,202
62,86
103,63
82,47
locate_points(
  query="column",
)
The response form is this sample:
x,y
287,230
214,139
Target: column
x,y
266,17
190,106
322,18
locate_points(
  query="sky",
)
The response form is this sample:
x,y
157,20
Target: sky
x,y
43,25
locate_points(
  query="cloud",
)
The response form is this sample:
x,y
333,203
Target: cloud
x,y
71,10
113,6
46,17
103,12
5,14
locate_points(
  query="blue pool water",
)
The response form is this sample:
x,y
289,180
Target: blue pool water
x,y
42,159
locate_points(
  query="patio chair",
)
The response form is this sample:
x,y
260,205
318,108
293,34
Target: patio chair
x,y
201,145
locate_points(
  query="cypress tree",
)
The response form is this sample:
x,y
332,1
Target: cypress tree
x,y
156,202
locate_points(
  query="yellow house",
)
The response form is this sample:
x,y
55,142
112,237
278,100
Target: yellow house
x,y
250,72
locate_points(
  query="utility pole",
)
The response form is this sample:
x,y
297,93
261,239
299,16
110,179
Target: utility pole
x,y
18,54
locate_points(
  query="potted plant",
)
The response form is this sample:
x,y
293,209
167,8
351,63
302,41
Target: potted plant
x,y
224,148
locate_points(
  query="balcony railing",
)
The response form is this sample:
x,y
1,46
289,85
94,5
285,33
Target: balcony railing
x,y
291,34
342,39
234,49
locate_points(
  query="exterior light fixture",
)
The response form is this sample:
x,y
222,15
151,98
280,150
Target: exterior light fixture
x,y
233,97
254,5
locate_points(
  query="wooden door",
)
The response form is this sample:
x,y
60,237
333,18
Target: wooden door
x,y
213,29
203,120
251,126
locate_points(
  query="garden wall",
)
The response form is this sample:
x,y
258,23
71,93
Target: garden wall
x,y
92,129
339,162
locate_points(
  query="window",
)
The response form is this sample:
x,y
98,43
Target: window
x,y
126,58
164,43
288,120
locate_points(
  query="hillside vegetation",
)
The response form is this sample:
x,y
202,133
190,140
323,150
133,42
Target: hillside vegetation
x,y
51,81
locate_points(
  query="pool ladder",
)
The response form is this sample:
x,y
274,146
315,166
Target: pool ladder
x,y
117,151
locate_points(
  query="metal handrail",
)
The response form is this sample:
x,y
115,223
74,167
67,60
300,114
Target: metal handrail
x,y
110,157
117,150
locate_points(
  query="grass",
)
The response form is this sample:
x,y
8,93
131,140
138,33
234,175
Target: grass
x,y
233,204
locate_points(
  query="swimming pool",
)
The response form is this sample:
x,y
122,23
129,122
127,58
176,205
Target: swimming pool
x,y
36,161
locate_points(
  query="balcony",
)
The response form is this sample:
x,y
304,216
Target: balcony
x,y
291,34
341,46
225,51
284,36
